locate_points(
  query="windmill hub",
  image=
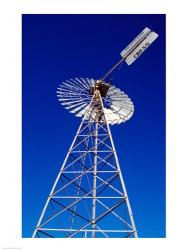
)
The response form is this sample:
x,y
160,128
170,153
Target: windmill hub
x,y
102,86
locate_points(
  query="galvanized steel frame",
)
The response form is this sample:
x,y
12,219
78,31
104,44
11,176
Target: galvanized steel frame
x,y
92,194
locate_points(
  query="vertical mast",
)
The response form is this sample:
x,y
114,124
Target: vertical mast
x,y
97,100
94,179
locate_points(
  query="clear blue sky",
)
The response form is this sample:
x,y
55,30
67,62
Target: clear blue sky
x,y
60,47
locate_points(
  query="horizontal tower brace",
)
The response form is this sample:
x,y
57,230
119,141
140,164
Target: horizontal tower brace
x,y
90,197
88,151
85,230
99,171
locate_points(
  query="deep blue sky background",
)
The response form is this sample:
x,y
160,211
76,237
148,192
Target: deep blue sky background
x,y
59,47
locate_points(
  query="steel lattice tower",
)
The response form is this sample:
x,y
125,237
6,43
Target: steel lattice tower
x,y
89,197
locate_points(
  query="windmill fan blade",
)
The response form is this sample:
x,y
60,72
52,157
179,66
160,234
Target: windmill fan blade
x,y
75,95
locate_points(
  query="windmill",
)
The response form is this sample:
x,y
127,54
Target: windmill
x,y
89,197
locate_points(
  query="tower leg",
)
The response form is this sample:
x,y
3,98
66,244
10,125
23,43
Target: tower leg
x,y
94,179
58,177
120,175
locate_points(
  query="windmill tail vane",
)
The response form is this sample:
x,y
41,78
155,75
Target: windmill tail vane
x,y
89,197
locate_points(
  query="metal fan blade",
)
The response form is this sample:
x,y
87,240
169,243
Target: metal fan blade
x,y
75,95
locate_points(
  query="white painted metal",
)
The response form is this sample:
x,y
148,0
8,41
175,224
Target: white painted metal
x,y
73,203
135,42
84,230
118,106
98,197
141,48
94,179
138,46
